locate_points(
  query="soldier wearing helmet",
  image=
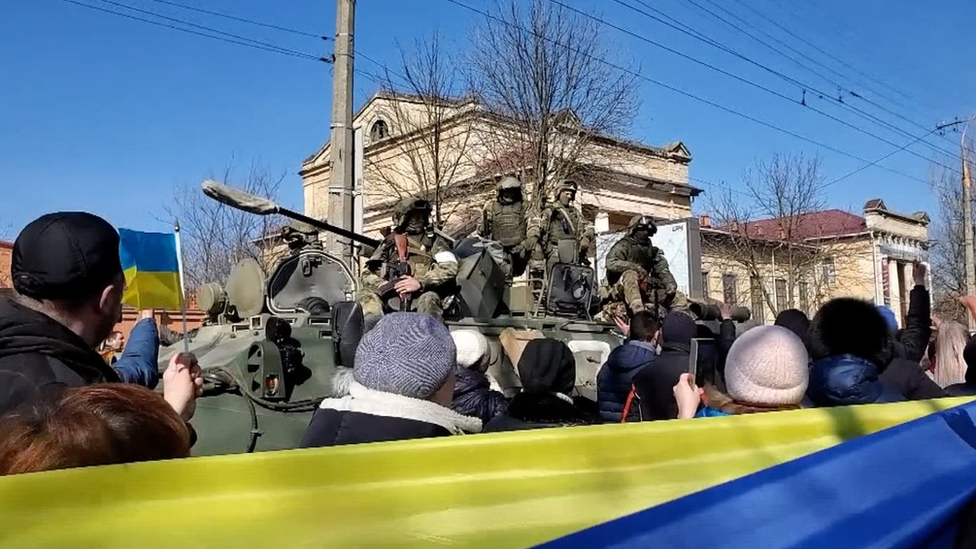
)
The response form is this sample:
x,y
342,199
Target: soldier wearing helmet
x,y
413,263
505,219
567,236
638,273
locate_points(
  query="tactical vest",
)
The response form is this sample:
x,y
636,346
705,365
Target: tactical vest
x,y
508,224
560,226
419,256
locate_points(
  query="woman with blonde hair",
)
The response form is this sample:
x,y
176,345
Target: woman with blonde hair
x,y
949,366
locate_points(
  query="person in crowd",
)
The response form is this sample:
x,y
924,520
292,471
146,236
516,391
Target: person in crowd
x,y
68,284
616,376
653,385
948,367
404,374
114,344
795,321
968,386
766,370
911,342
547,369
139,360
850,344
102,424
473,394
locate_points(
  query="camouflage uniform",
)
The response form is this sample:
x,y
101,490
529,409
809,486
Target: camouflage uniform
x,y
506,220
565,223
638,273
428,255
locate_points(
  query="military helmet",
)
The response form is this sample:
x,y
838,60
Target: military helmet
x,y
642,222
407,205
509,183
566,185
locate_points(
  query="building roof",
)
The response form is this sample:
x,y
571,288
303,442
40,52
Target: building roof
x,y
5,244
809,226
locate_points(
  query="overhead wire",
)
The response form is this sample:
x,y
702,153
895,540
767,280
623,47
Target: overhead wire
x,y
683,92
241,19
228,38
801,85
841,87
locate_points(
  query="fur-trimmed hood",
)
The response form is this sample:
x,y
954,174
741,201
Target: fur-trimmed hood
x,y
367,401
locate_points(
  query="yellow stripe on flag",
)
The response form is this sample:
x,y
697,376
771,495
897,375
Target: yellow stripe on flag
x,y
507,490
151,290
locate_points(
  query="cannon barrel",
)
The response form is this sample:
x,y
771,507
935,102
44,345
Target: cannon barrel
x,y
257,205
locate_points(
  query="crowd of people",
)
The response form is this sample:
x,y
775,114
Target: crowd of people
x,y
66,405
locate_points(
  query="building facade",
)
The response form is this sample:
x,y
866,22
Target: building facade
x,y
833,254
6,251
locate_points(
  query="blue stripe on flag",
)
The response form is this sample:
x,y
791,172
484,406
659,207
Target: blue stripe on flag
x,y
901,487
150,252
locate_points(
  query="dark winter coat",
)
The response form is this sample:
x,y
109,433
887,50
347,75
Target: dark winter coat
x,y
473,396
39,355
139,361
961,390
918,325
654,385
541,410
909,379
846,379
616,377
366,415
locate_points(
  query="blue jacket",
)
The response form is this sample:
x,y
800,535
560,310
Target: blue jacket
x,y
139,361
705,411
843,380
616,377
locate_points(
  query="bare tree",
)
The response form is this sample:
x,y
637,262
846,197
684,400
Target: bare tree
x,y
215,237
431,117
540,66
781,191
949,251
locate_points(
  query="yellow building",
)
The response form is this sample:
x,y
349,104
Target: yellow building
x,y
453,152
833,254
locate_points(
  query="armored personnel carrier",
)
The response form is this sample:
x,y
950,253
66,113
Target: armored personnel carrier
x,y
275,344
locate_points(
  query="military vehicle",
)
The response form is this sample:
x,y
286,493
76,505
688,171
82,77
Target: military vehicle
x,y
273,346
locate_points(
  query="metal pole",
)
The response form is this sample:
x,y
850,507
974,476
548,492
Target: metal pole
x,y
179,263
967,220
341,186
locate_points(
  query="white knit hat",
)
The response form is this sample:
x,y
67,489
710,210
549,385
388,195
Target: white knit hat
x,y
768,365
472,347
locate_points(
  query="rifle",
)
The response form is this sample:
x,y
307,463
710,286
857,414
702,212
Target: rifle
x,y
398,269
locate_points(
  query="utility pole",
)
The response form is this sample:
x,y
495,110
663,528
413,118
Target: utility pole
x,y
967,215
341,186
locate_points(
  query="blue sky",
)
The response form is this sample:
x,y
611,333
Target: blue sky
x,y
106,114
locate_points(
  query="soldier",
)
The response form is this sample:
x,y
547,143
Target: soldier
x,y
638,273
568,236
505,219
413,262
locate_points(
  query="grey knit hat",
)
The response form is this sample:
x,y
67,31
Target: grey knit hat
x,y
407,354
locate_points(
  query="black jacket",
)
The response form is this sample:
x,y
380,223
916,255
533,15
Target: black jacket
x,y
540,410
961,390
39,355
908,379
473,396
654,385
366,415
918,325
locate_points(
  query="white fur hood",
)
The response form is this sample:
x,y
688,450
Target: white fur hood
x,y
367,401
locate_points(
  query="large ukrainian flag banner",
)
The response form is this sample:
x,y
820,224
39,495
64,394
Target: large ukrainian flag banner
x,y
773,480
151,263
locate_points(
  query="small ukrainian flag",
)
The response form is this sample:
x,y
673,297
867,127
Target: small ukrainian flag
x,y
151,263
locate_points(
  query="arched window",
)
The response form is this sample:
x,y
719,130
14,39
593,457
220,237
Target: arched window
x,y
379,131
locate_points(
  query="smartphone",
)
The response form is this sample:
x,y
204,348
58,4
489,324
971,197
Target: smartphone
x,y
703,360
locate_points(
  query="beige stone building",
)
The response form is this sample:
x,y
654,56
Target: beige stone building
x,y
834,254
397,155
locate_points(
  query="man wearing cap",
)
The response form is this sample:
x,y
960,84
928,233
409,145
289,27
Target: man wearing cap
x,y
68,281
402,389
638,273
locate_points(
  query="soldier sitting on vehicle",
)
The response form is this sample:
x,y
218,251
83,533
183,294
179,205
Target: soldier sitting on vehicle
x,y
413,263
505,219
567,236
638,273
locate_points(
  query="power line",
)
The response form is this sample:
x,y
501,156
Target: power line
x,y
823,95
882,159
839,86
241,42
242,20
683,92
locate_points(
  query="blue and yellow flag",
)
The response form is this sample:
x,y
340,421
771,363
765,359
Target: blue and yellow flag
x,y
152,269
